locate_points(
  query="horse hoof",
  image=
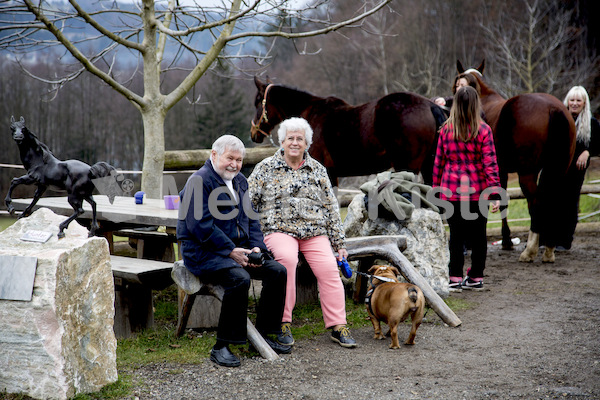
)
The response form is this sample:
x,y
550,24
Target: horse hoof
x,y
507,246
548,258
61,235
525,258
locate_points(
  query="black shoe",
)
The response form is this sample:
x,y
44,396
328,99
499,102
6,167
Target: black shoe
x,y
224,357
278,348
342,336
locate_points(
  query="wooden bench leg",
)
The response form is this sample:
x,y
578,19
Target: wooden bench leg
x,y
186,309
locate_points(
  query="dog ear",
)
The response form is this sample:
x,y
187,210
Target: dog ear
x,y
395,271
373,268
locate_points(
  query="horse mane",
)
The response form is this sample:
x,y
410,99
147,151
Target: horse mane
x,y
329,99
39,145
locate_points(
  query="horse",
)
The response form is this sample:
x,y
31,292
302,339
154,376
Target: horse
x,y
46,171
534,135
399,130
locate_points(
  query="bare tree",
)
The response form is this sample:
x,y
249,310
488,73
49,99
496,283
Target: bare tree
x,y
160,34
534,48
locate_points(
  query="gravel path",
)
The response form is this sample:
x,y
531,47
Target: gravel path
x,y
534,334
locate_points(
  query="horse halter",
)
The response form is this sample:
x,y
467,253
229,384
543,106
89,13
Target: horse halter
x,y
263,116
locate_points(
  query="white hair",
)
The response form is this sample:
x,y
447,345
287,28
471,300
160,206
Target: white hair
x,y
229,142
473,71
295,124
583,122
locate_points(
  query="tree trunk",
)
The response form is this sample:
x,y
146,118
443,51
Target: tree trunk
x,y
154,152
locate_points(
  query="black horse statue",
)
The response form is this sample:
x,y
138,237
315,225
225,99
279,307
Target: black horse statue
x,y
46,171
399,130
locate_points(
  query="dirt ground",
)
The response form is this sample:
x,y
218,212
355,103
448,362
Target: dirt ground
x,y
534,333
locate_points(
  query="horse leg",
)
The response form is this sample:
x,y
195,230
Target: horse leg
x,y
529,187
531,250
548,256
506,239
22,180
76,203
94,225
36,196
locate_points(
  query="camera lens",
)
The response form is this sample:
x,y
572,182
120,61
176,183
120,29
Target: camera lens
x,y
255,258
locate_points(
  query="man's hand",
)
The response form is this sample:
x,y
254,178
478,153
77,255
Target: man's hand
x,y
255,250
239,255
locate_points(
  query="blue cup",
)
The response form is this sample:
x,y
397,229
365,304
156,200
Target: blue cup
x,y
139,197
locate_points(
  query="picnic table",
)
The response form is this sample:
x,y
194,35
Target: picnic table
x,y
124,218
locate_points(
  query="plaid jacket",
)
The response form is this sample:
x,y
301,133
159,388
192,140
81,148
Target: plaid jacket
x,y
300,203
465,168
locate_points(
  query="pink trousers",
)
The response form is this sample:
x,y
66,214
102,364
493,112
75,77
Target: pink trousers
x,y
317,251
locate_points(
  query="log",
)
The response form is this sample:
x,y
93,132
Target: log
x,y
194,159
389,248
259,343
514,193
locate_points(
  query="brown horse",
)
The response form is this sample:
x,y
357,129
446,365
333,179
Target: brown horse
x,y
398,130
533,132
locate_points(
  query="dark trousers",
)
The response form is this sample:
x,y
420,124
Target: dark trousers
x,y
565,220
469,229
234,309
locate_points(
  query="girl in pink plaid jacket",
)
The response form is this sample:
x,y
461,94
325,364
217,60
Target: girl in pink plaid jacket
x,y
465,165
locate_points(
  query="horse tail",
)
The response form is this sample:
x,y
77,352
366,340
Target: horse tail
x,y
556,159
439,116
561,137
427,168
100,170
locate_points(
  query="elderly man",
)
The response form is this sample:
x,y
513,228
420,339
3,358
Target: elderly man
x,y
218,238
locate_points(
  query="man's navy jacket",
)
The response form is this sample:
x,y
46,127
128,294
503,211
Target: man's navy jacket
x,y
206,239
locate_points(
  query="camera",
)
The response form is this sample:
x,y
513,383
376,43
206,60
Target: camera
x,y
345,268
256,258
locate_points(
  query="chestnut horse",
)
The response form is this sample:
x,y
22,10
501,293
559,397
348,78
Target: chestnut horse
x,y
533,133
398,130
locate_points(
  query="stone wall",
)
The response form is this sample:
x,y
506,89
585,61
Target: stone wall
x,y
60,343
427,242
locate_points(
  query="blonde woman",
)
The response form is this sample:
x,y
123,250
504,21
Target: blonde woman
x,y
588,130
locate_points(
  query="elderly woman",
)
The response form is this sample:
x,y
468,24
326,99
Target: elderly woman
x,y
588,134
299,212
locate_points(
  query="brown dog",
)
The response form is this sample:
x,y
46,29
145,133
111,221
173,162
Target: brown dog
x,y
392,303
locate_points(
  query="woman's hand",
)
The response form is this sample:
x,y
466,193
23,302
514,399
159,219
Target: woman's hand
x,y
495,205
342,253
583,159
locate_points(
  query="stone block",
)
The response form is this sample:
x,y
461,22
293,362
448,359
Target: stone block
x,y
61,343
427,242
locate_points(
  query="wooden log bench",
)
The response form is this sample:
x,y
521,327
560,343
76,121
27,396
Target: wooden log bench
x,y
192,286
389,248
134,280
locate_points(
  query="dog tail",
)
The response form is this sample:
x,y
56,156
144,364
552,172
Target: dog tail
x,y
413,295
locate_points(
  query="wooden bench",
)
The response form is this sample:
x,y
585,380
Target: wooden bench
x,y
150,244
134,280
192,286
